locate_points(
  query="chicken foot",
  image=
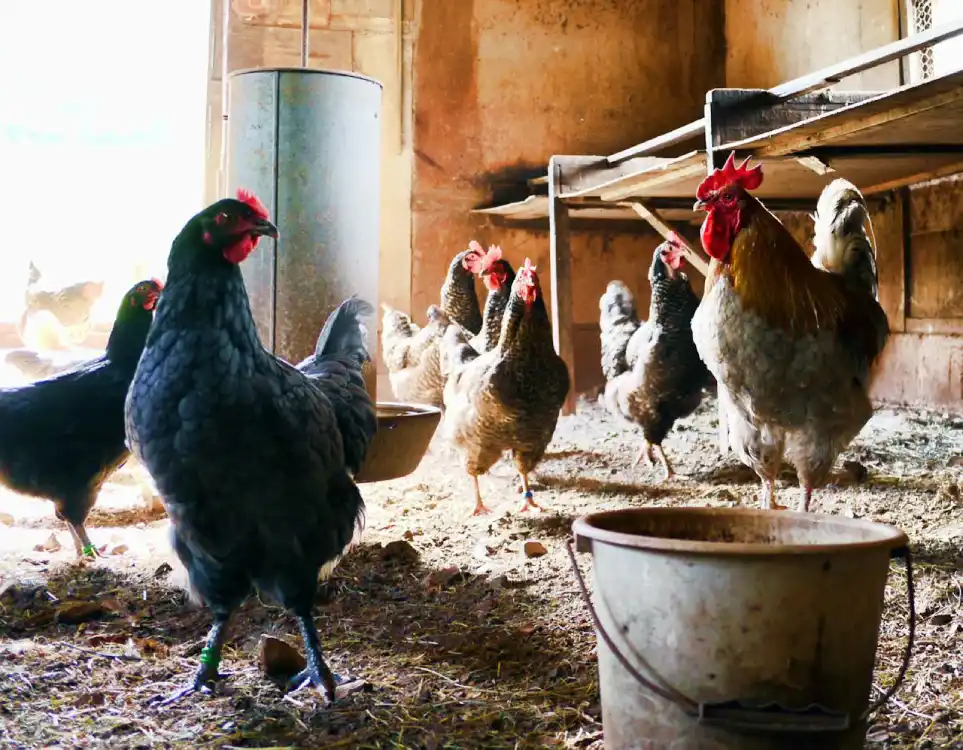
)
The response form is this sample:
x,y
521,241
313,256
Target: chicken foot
x,y
768,496
666,466
650,453
317,673
528,501
85,548
644,452
480,507
207,674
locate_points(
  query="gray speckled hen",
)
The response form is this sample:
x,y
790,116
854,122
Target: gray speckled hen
x,y
667,379
254,460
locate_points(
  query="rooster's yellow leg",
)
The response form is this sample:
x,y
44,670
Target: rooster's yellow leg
x,y
528,502
664,460
480,506
768,497
644,452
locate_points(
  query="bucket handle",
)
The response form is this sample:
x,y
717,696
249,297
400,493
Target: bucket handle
x,y
770,717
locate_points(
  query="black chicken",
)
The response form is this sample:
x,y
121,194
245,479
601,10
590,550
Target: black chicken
x,y
667,378
253,459
61,438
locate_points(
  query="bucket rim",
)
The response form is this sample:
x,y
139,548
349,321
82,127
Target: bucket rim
x,y
322,71
585,530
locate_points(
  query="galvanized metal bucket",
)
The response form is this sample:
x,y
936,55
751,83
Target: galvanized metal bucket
x,y
737,629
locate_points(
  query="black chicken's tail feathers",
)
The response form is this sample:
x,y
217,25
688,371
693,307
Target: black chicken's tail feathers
x,y
336,369
344,332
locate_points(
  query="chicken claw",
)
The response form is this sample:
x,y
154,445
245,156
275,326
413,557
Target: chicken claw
x,y
480,507
644,452
317,673
666,466
207,674
768,496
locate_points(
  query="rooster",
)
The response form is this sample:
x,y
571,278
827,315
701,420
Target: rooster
x,y
61,438
791,341
667,379
254,460
508,398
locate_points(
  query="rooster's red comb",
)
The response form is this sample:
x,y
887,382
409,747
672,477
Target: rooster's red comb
x,y
527,271
748,178
246,196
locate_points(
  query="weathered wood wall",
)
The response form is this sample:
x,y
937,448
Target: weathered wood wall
x,y
501,85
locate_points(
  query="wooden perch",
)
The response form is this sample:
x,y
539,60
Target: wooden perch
x,y
666,231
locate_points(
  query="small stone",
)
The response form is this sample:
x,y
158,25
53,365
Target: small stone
x,y
279,658
119,549
533,548
944,619
445,577
51,545
399,550
162,570
6,519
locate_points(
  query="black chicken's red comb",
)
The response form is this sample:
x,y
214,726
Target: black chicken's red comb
x,y
246,196
745,177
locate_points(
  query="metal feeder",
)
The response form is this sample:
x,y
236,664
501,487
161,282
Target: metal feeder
x,y
308,143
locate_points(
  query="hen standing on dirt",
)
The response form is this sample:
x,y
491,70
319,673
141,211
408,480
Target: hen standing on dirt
x,y
667,380
253,460
63,437
498,275
508,398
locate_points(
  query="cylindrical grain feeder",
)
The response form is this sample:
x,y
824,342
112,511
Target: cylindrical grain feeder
x,y
308,144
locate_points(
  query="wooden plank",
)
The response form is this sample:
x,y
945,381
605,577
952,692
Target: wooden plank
x,y
869,59
946,326
736,115
911,179
805,84
890,262
653,218
682,169
560,250
844,125
681,134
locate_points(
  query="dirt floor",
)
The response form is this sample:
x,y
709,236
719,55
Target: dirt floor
x,y
464,640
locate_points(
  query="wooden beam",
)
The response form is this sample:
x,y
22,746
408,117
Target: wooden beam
x,y
735,115
681,134
891,261
933,174
651,216
946,326
561,276
805,141
819,79
869,59
654,179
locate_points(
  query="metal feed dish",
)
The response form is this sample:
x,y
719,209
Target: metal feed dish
x,y
404,432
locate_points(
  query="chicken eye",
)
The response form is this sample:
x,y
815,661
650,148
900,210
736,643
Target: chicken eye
x,y
728,197
222,218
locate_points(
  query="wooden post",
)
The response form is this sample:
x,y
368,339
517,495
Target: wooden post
x,y
561,273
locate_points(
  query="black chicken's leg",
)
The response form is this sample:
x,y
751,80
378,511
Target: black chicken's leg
x,y
317,673
207,674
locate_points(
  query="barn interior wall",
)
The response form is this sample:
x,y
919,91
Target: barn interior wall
x,y
480,93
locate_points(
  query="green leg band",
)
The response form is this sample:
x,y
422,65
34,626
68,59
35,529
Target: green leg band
x,y
210,657
89,550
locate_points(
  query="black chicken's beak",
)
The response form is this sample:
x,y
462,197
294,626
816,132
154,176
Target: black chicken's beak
x,y
264,227
699,206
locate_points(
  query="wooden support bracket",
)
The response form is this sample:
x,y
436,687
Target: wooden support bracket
x,y
660,226
560,256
